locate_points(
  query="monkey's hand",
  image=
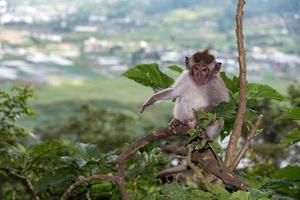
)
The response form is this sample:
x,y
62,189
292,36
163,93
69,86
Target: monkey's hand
x,y
148,103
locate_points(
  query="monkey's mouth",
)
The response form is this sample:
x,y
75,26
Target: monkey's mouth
x,y
199,80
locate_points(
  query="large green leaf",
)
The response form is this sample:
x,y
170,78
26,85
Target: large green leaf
x,y
149,75
216,147
259,195
290,138
88,151
176,68
225,110
256,90
289,172
220,192
231,84
240,195
291,113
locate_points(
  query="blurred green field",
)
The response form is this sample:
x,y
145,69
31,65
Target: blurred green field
x,y
54,104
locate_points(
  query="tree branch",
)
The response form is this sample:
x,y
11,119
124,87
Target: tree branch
x,y
247,143
239,120
32,189
175,128
172,149
89,179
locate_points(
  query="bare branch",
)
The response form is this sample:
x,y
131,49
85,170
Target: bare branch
x,y
246,146
32,189
167,173
89,179
172,149
239,120
175,128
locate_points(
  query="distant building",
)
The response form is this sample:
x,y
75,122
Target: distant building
x,y
86,29
3,9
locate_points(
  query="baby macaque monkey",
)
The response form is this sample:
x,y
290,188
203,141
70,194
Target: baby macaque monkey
x,y
198,87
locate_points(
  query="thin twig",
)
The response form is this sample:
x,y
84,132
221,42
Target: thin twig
x,y
239,120
87,195
247,143
32,189
89,179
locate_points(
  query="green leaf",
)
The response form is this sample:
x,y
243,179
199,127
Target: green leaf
x,y
149,75
225,110
250,115
44,148
88,151
220,192
254,181
176,68
240,195
258,194
201,194
290,138
256,90
231,84
216,147
204,119
289,172
281,183
291,113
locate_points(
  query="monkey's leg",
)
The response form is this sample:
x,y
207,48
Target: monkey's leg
x,y
213,130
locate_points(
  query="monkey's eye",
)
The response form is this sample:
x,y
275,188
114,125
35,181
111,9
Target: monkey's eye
x,y
205,70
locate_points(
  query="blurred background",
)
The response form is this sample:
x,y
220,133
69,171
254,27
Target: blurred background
x,y
73,52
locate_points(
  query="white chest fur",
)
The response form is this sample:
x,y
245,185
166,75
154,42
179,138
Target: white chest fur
x,y
192,98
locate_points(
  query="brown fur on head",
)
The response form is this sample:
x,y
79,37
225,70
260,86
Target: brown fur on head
x,y
202,66
203,56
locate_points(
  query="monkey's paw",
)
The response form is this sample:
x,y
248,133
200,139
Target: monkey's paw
x,y
175,124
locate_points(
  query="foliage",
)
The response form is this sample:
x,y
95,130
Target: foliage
x,y
55,159
149,75
92,123
13,106
226,111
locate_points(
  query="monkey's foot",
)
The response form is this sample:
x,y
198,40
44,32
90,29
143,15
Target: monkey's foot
x,y
175,124
204,135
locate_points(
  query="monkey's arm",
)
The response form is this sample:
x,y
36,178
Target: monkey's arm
x,y
169,93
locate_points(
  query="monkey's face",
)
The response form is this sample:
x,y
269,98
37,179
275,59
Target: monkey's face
x,y
200,73
202,66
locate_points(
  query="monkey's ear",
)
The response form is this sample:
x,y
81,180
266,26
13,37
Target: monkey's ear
x,y
187,62
217,67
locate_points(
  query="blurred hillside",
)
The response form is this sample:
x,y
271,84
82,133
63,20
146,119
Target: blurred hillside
x,y
72,41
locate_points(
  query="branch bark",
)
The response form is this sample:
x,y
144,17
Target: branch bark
x,y
89,179
172,149
32,189
236,132
247,143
